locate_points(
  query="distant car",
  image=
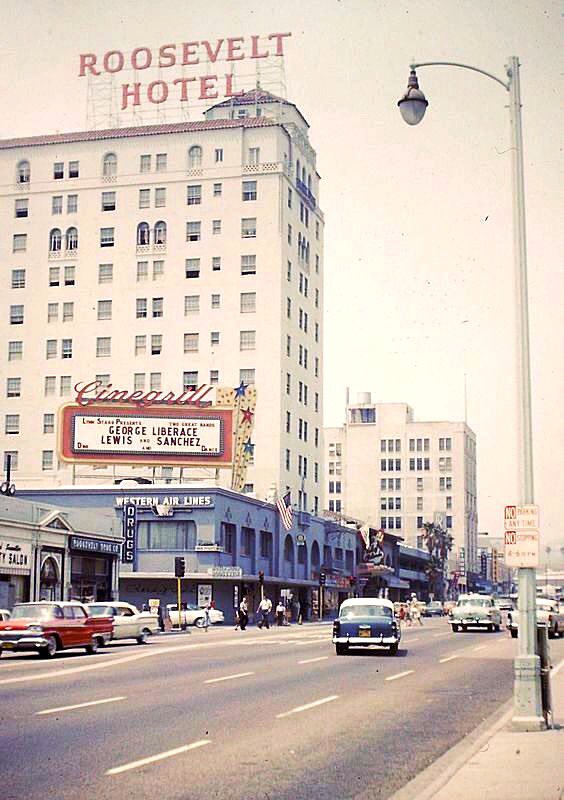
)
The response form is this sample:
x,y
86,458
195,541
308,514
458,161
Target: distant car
x,y
46,628
505,603
475,611
365,621
129,622
194,615
4,614
433,609
550,613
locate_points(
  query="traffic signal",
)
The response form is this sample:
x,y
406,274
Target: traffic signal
x,y
179,567
322,578
353,580
261,577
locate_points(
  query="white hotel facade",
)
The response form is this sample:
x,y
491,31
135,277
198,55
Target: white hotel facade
x,y
387,469
164,257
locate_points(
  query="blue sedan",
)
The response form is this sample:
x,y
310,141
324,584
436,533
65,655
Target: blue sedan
x,y
365,621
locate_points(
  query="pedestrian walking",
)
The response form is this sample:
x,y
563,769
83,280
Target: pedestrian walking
x,y
280,613
237,619
243,614
264,609
207,610
160,616
401,613
415,612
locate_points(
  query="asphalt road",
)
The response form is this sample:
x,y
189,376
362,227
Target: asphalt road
x,y
257,714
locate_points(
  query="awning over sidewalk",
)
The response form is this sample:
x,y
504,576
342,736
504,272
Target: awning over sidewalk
x,y
396,583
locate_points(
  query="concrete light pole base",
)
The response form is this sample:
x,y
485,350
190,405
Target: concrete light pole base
x,y
528,714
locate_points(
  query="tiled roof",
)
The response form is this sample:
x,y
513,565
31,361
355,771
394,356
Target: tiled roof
x,y
256,96
139,130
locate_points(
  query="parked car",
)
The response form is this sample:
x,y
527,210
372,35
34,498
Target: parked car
x,y
129,622
365,621
549,613
4,614
475,610
46,628
434,608
194,615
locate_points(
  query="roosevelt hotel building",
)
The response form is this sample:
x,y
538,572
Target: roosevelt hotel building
x,y
164,257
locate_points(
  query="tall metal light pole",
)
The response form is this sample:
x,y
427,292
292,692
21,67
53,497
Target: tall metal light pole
x,y
527,690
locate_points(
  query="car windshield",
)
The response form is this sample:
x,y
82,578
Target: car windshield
x,y
434,604
365,611
474,601
100,611
36,612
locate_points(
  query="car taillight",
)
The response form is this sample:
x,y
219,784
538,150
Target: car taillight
x,y
336,626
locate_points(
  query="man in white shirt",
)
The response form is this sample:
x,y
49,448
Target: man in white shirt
x,y
264,609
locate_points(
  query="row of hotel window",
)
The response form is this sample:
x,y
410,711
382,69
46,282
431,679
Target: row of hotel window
x,y
394,464
47,460
192,269
190,379
390,503
388,484
387,523
195,157
415,445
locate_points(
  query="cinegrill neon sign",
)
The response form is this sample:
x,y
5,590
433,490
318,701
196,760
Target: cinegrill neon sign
x,y
187,54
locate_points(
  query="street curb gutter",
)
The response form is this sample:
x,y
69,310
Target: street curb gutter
x,y
430,781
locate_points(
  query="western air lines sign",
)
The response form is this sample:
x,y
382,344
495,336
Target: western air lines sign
x,y
125,434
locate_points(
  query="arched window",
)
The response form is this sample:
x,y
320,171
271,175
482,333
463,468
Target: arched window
x,y
109,165
23,172
298,169
55,238
72,239
289,549
315,555
143,235
194,157
160,232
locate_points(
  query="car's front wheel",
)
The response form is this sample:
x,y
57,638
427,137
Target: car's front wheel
x,y
455,628
513,633
143,637
200,622
50,649
394,649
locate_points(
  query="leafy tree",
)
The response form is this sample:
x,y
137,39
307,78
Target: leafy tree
x,y
439,543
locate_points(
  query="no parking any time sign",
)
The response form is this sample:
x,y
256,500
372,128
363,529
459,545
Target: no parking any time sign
x,y
521,536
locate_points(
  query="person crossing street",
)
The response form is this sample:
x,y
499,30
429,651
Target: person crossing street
x,y
264,609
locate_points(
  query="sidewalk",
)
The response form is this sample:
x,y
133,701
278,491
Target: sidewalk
x,y
500,764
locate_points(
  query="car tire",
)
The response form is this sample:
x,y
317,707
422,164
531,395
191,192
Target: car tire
x,y
200,622
513,634
143,636
50,650
394,649
455,628
497,628
463,628
93,648
341,649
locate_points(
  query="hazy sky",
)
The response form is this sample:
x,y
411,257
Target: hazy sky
x,y
418,245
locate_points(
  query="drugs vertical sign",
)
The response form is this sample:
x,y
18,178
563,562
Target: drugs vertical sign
x,y
129,530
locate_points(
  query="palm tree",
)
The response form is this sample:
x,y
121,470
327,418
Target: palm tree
x,y
439,543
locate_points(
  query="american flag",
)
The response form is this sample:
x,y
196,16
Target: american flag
x,y
285,510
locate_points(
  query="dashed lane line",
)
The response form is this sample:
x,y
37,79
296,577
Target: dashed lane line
x,y
79,705
159,757
307,706
312,660
436,635
448,658
480,647
229,677
400,675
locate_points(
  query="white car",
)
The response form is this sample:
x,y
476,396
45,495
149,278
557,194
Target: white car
x,y
550,613
194,615
475,611
129,622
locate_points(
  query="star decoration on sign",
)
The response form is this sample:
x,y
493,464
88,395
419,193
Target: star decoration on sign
x,y
240,390
249,447
247,415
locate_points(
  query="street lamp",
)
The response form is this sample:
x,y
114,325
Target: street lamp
x,y
527,691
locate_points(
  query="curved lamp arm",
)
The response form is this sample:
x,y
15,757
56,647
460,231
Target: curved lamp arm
x,y
506,86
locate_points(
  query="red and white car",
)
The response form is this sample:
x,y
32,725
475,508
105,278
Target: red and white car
x,y
46,627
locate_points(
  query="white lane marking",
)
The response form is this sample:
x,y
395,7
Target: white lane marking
x,y
436,635
298,709
229,677
449,658
400,675
159,757
480,647
80,705
413,640
148,653
311,660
